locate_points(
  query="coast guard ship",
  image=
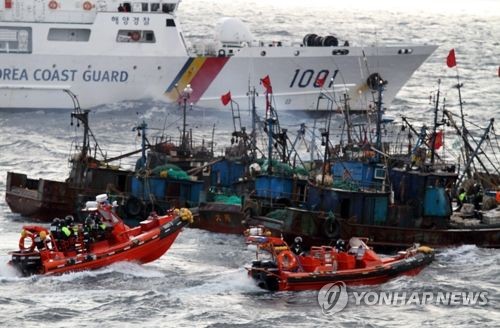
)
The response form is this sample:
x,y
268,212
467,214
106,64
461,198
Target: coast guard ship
x,y
107,51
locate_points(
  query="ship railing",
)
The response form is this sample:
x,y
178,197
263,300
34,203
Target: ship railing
x,y
195,143
340,182
216,48
275,197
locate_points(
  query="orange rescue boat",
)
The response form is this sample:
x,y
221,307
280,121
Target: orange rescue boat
x,y
283,269
52,252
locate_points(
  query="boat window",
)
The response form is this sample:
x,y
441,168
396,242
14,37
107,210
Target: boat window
x,y
137,6
168,7
170,22
136,36
69,34
145,6
15,39
155,7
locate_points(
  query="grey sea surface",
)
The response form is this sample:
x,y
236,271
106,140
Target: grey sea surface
x,y
201,281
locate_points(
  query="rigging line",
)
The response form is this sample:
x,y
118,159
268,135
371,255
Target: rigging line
x,y
493,150
314,150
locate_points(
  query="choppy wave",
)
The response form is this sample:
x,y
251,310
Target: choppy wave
x,y
201,281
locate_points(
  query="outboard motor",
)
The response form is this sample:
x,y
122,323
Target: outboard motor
x,y
264,280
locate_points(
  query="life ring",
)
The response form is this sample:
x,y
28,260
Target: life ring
x,y
287,260
135,36
133,206
87,5
222,53
26,234
331,228
53,4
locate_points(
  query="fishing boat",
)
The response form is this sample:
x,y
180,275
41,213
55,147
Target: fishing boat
x,y
243,185
102,240
108,51
155,185
44,199
396,199
278,268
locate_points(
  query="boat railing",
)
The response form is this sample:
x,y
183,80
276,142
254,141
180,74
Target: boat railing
x,y
284,198
170,144
340,182
222,49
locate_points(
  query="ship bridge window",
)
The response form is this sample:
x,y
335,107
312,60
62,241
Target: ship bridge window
x,y
136,36
15,39
168,7
145,6
127,7
155,7
69,34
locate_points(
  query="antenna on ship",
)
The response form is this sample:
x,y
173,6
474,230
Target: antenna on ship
x,y
252,93
434,126
325,135
380,89
184,96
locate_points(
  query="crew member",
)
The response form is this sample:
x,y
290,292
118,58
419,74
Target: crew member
x,y
39,238
55,228
87,232
297,246
477,196
462,198
340,245
99,229
43,241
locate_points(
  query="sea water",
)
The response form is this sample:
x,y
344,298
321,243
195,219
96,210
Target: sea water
x,y
201,281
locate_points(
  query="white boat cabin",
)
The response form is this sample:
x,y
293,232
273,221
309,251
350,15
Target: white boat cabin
x,y
77,11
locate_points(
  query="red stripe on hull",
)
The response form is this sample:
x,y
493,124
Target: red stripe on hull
x,y
205,76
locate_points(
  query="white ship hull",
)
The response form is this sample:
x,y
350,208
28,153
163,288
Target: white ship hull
x,y
101,68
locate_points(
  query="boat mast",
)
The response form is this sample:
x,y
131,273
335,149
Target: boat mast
x,y
80,116
463,130
141,131
380,89
434,127
347,118
186,94
83,116
252,93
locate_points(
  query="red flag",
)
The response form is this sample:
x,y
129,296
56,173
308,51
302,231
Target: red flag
x,y
320,82
266,82
226,98
451,60
438,141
